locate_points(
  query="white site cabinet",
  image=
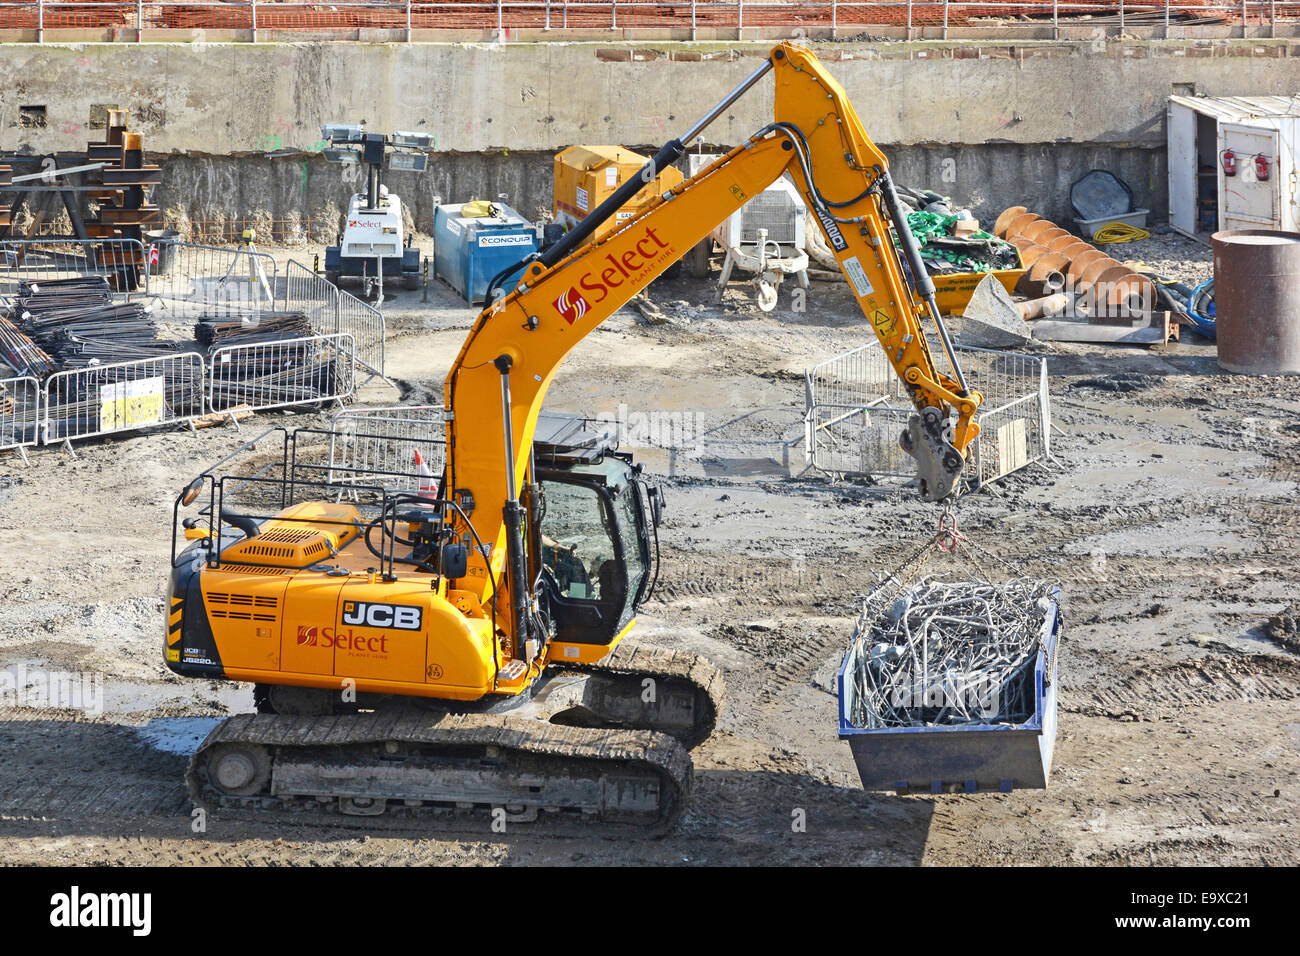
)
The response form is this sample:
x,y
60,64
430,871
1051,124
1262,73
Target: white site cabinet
x,y
1203,198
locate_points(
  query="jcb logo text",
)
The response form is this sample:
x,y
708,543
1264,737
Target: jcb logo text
x,y
403,617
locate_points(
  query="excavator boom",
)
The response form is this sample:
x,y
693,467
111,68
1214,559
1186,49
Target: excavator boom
x,y
518,342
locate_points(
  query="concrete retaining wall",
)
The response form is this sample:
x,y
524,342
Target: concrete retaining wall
x,y
990,124
988,178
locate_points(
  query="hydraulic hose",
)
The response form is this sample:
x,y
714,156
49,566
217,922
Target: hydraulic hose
x,y
1203,323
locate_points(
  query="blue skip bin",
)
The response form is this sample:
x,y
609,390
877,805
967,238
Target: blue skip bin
x,y
959,759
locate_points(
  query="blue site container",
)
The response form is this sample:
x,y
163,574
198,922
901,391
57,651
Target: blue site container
x,y
966,759
470,250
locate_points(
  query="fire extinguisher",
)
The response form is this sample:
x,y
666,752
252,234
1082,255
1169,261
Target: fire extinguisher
x,y
1229,163
1261,168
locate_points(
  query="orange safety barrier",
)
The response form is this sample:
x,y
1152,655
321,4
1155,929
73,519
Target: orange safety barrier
x,y
379,15
207,16
58,16
300,17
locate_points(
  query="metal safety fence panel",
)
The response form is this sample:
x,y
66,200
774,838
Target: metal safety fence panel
x,y
859,440
366,326
367,444
861,376
123,396
398,19
301,371
1014,418
330,309
854,412
20,413
312,295
856,409
120,261
1010,438
187,281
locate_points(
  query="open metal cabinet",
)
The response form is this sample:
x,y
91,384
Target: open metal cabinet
x,y
1232,163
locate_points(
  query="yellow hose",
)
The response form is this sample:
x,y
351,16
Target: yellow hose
x,y
1119,232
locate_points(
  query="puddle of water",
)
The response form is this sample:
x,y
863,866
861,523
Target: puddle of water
x,y
135,697
109,697
177,735
33,681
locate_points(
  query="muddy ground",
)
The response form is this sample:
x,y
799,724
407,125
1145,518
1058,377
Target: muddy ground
x,y
1168,514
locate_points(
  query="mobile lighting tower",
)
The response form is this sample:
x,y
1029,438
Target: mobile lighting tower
x,y
374,242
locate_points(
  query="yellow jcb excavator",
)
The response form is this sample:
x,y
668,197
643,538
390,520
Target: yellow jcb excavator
x,y
458,646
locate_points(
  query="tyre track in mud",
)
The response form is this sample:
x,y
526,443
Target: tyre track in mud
x,y
80,771
1156,692
794,651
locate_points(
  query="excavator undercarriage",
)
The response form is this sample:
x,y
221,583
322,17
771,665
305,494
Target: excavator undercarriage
x,y
583,748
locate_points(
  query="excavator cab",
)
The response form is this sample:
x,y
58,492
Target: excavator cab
x,y
595,530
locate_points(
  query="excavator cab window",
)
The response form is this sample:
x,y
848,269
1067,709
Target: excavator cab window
x,y
593,561
577,541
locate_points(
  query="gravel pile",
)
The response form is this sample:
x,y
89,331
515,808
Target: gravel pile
x,y
1181,259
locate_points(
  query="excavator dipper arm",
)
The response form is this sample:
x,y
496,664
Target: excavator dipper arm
x,y
845,180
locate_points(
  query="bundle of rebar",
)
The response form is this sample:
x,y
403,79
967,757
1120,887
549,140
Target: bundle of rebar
x,y
84,287
316,377
944,653
265,359
83,335
42,321
78,324
22,354
217,331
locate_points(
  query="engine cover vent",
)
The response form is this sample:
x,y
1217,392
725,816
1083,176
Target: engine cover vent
x,y
298,537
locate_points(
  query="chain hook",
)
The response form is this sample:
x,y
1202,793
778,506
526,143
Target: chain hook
x,y
949,538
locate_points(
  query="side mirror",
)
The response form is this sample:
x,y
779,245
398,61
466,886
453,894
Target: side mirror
x,y
453,560
191,492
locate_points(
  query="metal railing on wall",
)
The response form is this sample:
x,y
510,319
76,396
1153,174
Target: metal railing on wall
x,y
399,19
